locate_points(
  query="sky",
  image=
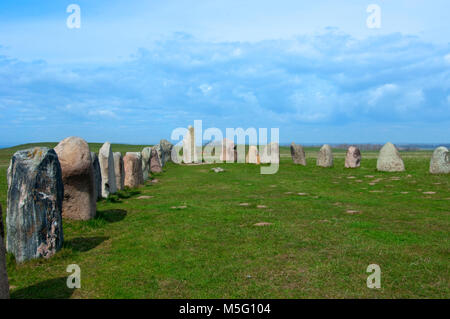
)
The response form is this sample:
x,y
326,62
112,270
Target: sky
x,y
136,70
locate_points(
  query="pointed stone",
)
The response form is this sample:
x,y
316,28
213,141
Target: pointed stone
x,y
4,284
165,151
298,154
389,159
97,176
189,152
325,156
440,161
353,157
106,160
119,170
35,197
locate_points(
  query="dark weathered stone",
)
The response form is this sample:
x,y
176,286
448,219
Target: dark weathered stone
x,y
146,154
119,170
298,154
155,161
353,157
4,284
97,176
166,151
78,178
34,213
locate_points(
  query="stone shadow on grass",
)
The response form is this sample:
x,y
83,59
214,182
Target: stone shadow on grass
x,y
83,244
111,215
49,289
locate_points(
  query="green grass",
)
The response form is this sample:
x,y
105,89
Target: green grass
x,y
144,248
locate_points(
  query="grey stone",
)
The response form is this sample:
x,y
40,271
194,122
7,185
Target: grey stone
x,y
78,178
119,170
146,154
166,151
97,176
106,160
34,212
440,161
353,157
325,156
389,159
298,154
4,284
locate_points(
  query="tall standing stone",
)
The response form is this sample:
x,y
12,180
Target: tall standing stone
x,y
34,212
440,161
4,284
166,151
253,155
146,154
325,156
353,157
78,178
270,153
155,161
119,170
227,151
189,153
106,160
389,159
132,163
97,176
298,154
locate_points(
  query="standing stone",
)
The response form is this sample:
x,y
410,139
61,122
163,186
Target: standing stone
x,y
78,178
298,154
271,153
132,163
155,161
97,176
189,154
4,284
440,161
106,160
227,151
325,156
389,159
146,154
252,155
35,196
353,157
119,170
166,151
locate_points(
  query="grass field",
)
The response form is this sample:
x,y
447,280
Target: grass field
x,y
318,244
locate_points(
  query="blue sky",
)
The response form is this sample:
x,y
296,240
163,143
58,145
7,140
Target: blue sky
x,y
136,70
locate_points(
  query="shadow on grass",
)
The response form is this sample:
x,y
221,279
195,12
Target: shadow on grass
x,y
111,215
123,194
83,244
49,289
